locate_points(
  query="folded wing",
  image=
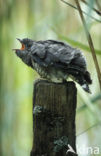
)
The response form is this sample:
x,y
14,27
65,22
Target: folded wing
x,y
57,54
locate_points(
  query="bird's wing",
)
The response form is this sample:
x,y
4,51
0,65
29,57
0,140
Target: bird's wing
x,y
39,50
38,53
66,53
58,54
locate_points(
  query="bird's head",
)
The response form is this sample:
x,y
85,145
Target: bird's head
x,y
24,51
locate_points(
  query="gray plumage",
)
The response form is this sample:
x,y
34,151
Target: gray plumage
x,y
55,61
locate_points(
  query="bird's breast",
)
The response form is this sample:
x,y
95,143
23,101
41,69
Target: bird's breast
x,y
49,73
40,70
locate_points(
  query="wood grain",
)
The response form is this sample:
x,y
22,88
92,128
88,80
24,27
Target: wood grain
x,y
54,110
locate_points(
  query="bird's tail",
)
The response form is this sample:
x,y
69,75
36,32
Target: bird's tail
x,y
81,77
86,88
84,80
87,77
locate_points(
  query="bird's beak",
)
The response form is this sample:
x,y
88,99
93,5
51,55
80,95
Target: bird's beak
x,y
20,42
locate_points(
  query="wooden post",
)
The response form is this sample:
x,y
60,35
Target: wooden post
x,y
54,110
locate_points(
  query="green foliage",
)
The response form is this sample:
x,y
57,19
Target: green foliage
x,y
34,19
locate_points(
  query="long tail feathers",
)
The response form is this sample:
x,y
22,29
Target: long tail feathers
x,y
84,80
87,77
88,81
82,77
86,88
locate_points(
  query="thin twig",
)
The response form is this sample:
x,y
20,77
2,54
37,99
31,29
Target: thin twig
x,y
93,100
90,42
71,5
97,124
97,11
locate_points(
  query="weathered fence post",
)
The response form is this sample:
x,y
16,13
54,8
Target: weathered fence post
x,y
54,109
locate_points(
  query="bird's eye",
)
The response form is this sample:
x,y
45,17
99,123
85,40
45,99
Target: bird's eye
x,y
23,47
29,45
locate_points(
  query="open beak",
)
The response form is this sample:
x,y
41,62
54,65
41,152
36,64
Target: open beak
x,y
19,40
23,46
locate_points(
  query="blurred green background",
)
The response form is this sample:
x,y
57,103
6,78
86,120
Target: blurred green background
x,y
41,20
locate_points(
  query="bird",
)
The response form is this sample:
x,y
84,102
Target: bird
x,y
55,61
